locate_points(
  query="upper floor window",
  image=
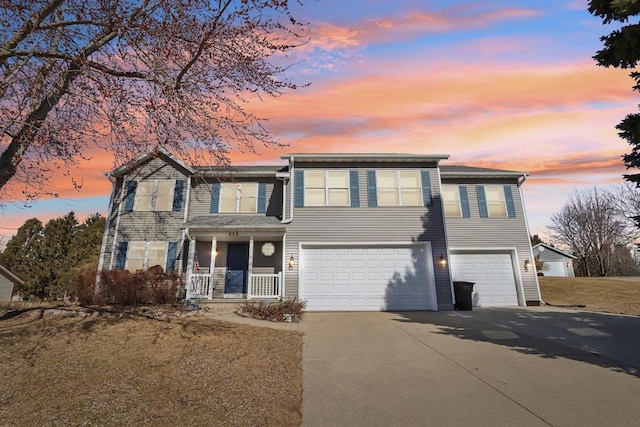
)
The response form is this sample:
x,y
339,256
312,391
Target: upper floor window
x,y
496,201
154,195
245,197
451,201
399,188
326,188
238,198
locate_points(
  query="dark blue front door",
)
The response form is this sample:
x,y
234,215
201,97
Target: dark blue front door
x,y
237,267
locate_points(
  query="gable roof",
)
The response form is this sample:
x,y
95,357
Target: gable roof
x,y
157,152
556,250
459,171
9,275
364,157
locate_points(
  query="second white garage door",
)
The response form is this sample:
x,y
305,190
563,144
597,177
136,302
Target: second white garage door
x,y
364,278
492,273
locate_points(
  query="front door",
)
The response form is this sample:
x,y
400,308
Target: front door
x,y
237,267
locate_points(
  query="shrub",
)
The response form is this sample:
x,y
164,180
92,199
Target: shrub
x,y
275,311
120,287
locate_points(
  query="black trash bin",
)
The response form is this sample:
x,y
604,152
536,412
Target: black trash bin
x,y
463,292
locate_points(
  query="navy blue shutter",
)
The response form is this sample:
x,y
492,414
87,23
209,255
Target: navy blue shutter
x,y
262,197
215,197
131,196
172,250
426,188
121,258
372,194
508,197
298,190
464,201
177,195
354,189
482,201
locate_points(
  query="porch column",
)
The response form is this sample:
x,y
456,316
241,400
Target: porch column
x,y
212,264
250,267
191,256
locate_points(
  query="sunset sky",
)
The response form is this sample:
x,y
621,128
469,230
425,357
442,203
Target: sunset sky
x,y
501,84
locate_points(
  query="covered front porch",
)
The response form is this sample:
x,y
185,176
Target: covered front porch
x,y
235,263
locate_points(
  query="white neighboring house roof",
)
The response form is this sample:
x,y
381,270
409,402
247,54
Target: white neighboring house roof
x,y
551,248
9,275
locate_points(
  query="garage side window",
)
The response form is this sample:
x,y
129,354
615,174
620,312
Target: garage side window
x,y
327,188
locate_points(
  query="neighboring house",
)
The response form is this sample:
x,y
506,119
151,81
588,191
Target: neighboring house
x,y
7,282
341,231
555,263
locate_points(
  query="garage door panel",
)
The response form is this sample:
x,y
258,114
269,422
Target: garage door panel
x,y
371,282
492,274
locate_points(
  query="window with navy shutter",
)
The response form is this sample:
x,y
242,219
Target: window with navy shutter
x,y
215,197
355,189
177,195
482,201
426,187
262,197
508,197
130,196
172,250
464,201
121,256
298,188
372,194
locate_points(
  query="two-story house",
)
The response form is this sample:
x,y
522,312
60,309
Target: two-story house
x,y
341,231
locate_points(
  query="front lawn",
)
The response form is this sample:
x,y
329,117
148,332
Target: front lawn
x,y
606,294
111,370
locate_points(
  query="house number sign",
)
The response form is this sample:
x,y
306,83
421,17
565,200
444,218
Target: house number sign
x,y
234,233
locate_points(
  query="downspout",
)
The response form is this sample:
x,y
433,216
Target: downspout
x,y
446,244
105,235
521,181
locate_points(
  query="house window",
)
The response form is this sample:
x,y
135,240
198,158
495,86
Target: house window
x,y
238,198
142,255
326,188
451,201
399,188
154,195
496,205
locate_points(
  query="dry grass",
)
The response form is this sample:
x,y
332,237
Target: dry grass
x,y
145,372
610,295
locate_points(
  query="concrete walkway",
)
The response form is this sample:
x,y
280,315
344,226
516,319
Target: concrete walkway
x,y
491,367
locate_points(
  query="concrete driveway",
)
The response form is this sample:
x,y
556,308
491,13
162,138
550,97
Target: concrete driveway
x,y
488,367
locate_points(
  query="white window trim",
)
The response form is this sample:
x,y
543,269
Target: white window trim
x,y
147,251
238,197
457,193
399,187
154,195
327,187
502,196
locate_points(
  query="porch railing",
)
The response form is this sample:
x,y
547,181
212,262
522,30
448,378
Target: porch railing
x,y
265,286
201,286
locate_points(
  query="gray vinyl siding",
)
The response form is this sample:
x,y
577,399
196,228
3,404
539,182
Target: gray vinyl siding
x,y
490,233
6,289
200,203
160,226
365,224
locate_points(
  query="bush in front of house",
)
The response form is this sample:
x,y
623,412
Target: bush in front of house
x,y
279,311
120,287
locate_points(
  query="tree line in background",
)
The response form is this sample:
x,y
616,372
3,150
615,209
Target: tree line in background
x,y
48,257
600,226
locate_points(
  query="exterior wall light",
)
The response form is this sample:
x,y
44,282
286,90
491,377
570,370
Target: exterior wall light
x,y
292,261
443,260
527,265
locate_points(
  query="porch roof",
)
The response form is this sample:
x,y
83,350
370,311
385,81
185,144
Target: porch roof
x,y
237,221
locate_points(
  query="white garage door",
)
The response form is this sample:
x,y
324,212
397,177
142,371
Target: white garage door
x,y
367,278
492,273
